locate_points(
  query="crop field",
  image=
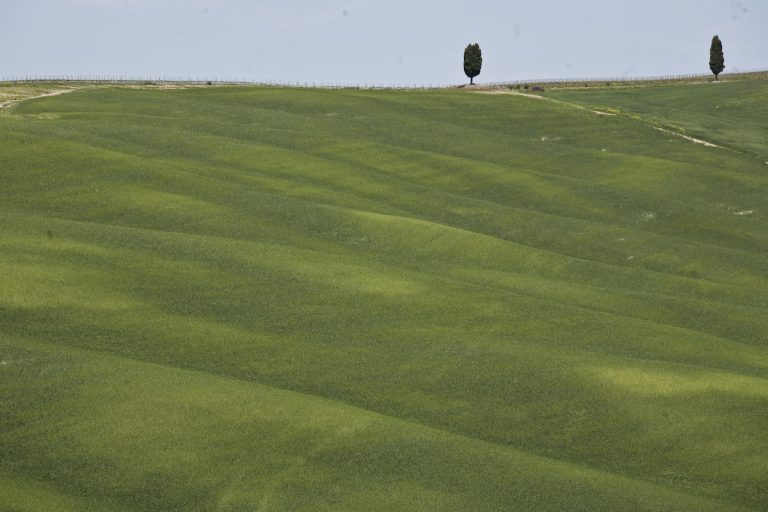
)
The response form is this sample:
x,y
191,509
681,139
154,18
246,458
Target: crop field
x,y
732,113
241,298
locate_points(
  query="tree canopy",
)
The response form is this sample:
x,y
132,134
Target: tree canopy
x,y
473,61
716,58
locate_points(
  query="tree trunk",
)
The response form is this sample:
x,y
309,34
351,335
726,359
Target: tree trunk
x,y
471,80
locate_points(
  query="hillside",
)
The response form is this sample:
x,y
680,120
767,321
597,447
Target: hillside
x,y
733,113
234,298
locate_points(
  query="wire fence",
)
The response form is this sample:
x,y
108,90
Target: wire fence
x,y
202,81
218,81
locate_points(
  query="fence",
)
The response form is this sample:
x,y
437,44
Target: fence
x,y
200,81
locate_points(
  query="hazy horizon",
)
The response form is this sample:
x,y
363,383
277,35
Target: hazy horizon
x,y
376,42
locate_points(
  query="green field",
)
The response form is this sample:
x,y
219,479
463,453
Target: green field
x,y
731,113
238,298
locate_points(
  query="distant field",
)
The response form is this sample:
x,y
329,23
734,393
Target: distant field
x,y
733,113
233,298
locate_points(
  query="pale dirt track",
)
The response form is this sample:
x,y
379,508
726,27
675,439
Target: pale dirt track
x,y
45,95
597,112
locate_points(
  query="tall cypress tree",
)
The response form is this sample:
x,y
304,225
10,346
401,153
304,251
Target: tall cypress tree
x,y
473,61
716,59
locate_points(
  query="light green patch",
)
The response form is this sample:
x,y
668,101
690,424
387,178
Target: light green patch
x,y
677,383
45,286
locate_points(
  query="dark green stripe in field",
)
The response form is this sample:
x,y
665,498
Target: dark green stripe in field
x,y
261,299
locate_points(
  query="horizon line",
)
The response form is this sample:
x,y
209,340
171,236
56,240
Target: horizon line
x,y
227,80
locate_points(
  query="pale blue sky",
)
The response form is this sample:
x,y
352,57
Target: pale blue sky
x,y
377,41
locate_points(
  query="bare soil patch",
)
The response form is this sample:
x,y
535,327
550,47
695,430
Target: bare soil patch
x,y
16,95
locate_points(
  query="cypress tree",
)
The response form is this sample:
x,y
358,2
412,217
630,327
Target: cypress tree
x,y
473,61
716,59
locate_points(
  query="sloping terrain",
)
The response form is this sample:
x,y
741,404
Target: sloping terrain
x,y
732,113
263,299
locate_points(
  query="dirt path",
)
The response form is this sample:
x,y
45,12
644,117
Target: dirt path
x,y
540,97
45,95
686,137
599,113
510,91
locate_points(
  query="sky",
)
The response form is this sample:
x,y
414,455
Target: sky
x,y
383,42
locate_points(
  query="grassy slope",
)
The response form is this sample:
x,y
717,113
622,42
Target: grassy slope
x,y
732,113
221,298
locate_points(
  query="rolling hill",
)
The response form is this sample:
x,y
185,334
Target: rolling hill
x,y
238,298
